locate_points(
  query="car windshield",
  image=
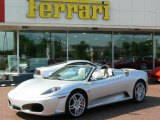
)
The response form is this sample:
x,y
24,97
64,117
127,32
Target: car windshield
x,y
72,73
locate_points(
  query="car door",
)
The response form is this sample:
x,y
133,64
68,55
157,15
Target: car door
x,y
101,88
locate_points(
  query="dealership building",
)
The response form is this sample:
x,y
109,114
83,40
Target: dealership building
x,y
35,33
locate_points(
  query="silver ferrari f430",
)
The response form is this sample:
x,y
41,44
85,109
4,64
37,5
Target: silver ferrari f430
x,y
75,88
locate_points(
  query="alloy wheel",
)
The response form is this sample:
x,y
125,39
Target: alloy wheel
x,y
139,91
77,104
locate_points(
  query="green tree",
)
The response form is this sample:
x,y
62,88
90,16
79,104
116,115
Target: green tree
x,y
80,50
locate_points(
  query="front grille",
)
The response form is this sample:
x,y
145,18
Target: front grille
x,y
35,107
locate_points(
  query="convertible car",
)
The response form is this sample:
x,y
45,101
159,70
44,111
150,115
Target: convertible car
x,y
75,88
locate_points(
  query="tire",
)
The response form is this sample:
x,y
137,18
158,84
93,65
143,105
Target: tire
x,y
139,92
143,66
76,105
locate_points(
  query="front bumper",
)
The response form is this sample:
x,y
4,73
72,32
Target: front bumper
x,y
38,106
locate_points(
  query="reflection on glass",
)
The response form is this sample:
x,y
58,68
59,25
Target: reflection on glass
x,y
39,49
133,51
8,54
58,49
96,47
157,55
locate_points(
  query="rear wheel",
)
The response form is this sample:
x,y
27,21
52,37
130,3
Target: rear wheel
x,y
139,91
76,104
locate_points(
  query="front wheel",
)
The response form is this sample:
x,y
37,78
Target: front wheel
x,y
76,105
139,91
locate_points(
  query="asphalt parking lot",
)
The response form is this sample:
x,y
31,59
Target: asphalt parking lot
x,y
148,110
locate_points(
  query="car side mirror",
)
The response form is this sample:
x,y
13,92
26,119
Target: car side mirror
x,y
92,78
127,73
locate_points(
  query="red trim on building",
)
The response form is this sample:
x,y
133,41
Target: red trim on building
x,y
2,10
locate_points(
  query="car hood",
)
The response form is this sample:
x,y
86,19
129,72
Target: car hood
x,y
36,87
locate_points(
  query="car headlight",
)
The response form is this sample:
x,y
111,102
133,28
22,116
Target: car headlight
x,y
51,90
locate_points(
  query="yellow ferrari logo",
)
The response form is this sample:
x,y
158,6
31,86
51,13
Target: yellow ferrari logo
x,y
85,9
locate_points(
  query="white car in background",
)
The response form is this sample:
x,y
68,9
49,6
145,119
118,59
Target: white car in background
x,y
48,70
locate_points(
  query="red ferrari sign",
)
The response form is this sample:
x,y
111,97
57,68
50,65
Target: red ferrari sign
x,y
2,15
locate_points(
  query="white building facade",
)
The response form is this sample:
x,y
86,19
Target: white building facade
x,y
120,33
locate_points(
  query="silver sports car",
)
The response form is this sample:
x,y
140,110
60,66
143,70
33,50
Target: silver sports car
x,y
75,88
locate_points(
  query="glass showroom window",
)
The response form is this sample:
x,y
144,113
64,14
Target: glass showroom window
x,y
133,51
8,52
96,47
58,48
39,49
157,50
